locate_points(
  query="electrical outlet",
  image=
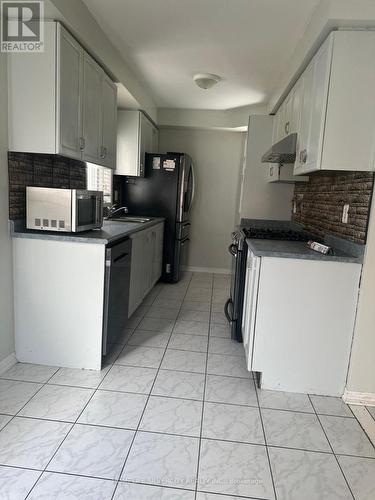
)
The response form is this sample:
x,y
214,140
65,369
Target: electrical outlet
x,y
345,213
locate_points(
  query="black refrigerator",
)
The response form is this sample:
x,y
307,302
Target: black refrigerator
x,y
167,190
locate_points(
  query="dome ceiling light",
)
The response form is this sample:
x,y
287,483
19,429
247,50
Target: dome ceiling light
x,y
206,80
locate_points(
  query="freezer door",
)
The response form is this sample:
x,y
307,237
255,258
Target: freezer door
x,y
181,257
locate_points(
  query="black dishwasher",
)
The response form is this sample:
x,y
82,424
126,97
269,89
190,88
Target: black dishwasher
x,y
116,291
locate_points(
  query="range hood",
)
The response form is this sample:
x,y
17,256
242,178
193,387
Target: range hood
x,y
283,151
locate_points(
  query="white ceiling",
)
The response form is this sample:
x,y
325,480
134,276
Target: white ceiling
x,y
246,42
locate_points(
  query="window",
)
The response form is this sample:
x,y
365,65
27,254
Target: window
x,y
100,179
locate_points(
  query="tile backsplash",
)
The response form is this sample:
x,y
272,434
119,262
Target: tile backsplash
x,y
29,169
320,202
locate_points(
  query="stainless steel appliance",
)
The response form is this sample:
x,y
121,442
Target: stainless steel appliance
x,y
283,151
167,190
67,210
233,308
116,291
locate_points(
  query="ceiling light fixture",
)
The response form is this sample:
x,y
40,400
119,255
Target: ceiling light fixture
x,y
206,80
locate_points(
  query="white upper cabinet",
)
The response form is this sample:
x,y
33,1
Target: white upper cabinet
x,y
136,136
286,121
61,101
91,109
69,85
337,127
315,81
109,122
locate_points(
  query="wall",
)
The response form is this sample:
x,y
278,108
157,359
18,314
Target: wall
x,y
27,169
217,158
362,367
6,282
260,199
320,203
235,119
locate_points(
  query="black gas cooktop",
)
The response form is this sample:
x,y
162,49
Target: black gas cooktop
x,y
276,234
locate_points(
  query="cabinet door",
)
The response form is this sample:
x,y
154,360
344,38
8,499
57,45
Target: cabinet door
x,y
315,82
128,127
69,96
136,273
306,84
147,262
250,305
287,116
146,140
108,123
319,96
92,95
158,236
295,122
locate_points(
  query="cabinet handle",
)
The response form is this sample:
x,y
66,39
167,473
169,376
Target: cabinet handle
x,y
271,171
103,152
303,156
287,128
82,143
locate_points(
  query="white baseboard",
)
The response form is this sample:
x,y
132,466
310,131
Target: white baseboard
x,y
359,398
8,362
365,419
212,270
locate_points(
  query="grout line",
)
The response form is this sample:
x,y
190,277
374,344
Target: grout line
x,y
330,445
204,394
11,420
265,441
143,412
68,433
363,428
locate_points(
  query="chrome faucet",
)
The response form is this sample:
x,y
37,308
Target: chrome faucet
x,y
113,210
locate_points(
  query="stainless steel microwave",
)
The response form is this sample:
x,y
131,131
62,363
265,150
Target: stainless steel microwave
x,y
67,210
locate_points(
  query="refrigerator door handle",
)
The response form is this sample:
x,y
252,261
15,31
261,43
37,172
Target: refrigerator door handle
x,y
233,249
193,189
226,311
181,193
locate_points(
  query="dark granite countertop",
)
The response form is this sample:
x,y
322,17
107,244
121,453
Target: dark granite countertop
x,y
344,250
296,250
111,232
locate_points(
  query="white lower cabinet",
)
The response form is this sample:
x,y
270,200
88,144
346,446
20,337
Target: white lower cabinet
x,y
146,264
298,322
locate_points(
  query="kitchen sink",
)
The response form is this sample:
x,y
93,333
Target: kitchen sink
x,y
129,218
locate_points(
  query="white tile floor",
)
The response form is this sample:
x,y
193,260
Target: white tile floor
x,y
174,414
